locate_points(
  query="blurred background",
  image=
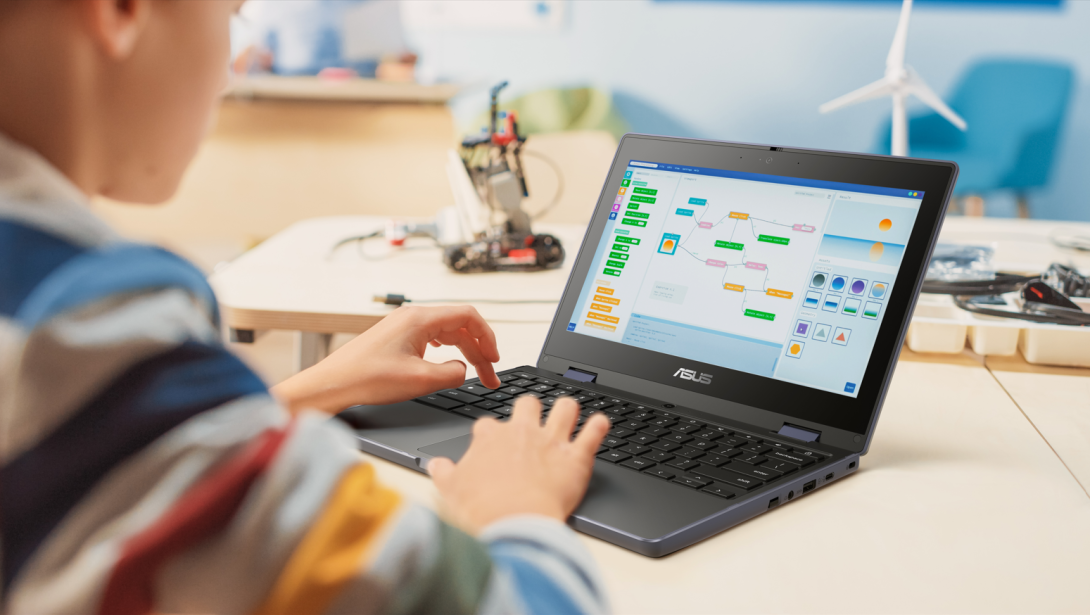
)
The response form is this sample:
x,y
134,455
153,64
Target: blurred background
x,y
352,106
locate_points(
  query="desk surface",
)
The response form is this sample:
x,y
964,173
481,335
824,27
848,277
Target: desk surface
x,y
959,507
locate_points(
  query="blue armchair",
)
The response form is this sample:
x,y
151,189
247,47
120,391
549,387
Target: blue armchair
x,y
1015,110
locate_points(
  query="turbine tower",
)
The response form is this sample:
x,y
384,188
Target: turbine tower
x,y
900,82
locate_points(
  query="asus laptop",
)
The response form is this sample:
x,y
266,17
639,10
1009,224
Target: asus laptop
x,y
736,311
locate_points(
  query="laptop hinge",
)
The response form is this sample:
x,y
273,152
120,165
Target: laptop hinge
x,y
579,375
799,433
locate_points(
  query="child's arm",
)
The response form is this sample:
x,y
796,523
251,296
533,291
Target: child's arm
x,y
386,363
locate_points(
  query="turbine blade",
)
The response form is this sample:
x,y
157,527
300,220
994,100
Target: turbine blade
x,y
895,61
918,87
867,92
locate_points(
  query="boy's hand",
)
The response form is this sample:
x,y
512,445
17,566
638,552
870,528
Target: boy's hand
x,y
386,363
520,466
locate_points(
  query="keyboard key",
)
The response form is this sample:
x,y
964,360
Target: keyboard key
x,y
662,422
548,402
540,388
794,458
639,407
614,401
569,389
661,472
621,432
533,394
623,411
512,391
612,442
683,464
713,459
658,456
682,428
599,405
752,459
765,474
488,404
497,396
551,383
522,383
635,449
811,454
582,398
707,434
444,403
685,421
703,445
689,480
655,431
783,467
728,452
504,411
759,449
664,414
641,415
637,463
509,377
529,377
734,441
475,389
614,456
473,412
642,438
730,478
633,425
689,453
680,438
779,446
462,396
720,490
663,445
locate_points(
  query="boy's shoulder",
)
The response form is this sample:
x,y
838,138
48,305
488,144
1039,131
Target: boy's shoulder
x,y
44,274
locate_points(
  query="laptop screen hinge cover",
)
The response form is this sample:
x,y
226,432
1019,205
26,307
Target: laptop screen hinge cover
x,y
579,375
799,433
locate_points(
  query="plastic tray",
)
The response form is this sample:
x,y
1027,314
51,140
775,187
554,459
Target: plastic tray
x,y
940,326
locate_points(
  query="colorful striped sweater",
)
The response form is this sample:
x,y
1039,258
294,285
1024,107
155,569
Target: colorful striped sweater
x,y
145,468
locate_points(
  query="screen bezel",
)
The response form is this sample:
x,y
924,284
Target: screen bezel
x,y
809,406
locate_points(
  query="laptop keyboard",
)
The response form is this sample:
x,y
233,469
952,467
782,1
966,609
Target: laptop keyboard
x,y
715,459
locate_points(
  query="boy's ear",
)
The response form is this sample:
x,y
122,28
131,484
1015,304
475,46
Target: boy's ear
x,y
116,24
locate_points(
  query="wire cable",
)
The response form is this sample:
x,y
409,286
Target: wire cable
x,y
559,183
395,299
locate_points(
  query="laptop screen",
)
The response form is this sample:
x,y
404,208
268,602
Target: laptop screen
x,y
776,276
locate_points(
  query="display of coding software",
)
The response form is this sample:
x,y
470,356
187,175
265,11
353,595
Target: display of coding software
x,y
781,277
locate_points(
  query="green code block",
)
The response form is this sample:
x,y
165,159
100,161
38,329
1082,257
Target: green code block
x,y
636,214
617,264
611,272
783,241
631,222
633,205
625,182
619,247
648,191
619,256
760,314
642,199
632,240
730,245
639,183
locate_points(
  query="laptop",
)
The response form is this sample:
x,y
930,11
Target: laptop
x,y
736,311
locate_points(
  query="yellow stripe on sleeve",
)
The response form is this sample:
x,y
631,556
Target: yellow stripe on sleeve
x,y
330,554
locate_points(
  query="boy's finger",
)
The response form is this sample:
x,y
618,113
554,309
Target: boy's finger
x,y
463,317
562,419
527,411
436,376
440,468
471,350
587,442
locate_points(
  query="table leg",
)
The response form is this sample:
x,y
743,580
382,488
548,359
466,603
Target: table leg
x,y
310,348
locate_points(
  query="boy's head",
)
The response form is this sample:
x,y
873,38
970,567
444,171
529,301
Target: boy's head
x,y
115,93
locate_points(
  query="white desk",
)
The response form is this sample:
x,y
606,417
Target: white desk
x,y
961,506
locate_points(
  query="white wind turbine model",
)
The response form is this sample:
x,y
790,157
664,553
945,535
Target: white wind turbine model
x,y
899,82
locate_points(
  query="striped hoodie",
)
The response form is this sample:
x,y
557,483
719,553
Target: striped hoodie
x,y
145,468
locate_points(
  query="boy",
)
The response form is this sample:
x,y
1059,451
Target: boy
x,y
142,466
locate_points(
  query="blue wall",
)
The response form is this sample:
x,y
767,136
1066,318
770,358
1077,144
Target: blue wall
x,y
753,72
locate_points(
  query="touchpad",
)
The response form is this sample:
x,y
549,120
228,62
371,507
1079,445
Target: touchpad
x,y
453,448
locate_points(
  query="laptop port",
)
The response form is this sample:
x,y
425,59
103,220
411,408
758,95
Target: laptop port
x,y
774,502
808,487
790,495
829,476
851,466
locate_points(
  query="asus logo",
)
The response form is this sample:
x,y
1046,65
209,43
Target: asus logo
x,y
688,374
